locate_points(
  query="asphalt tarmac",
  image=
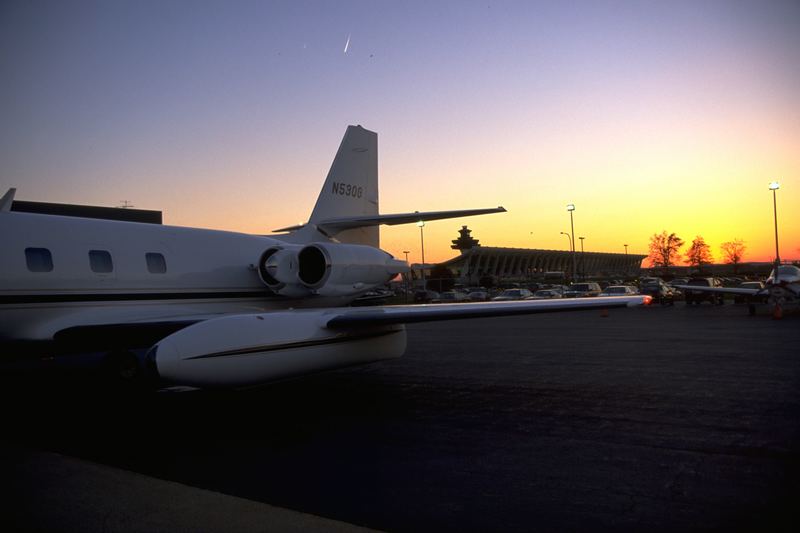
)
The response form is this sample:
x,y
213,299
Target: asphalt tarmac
x,y
658,419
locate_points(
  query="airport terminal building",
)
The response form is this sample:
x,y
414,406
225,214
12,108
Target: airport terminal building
x,y
476,262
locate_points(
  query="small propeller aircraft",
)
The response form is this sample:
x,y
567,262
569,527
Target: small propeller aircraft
x,y
217,308
781,289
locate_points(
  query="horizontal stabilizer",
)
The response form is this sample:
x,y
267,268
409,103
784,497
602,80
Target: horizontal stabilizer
x,y
336,225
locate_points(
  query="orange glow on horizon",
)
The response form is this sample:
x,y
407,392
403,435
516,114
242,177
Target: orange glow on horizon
x,y
728,205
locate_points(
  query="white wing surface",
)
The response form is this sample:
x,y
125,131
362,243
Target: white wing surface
x,y
406,314
246,350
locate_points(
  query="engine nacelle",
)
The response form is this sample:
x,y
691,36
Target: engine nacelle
x,y
278,268
331,269
326,269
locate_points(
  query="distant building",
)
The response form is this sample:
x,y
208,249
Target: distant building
x,y
519,264
465,242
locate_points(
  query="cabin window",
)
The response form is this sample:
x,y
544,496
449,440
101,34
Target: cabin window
x,y
39,259
100,261
156,264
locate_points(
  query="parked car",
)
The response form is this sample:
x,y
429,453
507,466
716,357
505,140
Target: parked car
x,y
649,280
545,294
697,297
450,297
512,294
619,290
376,297
560,288
424,296
731,281
745,298
582,290
660,291
478,294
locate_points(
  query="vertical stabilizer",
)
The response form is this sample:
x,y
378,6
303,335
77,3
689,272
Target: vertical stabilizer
x,y
351,188
7,200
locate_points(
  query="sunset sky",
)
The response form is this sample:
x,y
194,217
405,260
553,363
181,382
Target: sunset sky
x,y
648,116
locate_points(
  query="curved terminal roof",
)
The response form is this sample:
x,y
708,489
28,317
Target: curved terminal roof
x,y
523,262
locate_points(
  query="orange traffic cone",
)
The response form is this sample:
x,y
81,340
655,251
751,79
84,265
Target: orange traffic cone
x,y
604,313
777,313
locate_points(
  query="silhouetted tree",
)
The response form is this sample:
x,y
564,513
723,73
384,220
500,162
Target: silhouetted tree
x,y
441,279
699,253
733,251
664,249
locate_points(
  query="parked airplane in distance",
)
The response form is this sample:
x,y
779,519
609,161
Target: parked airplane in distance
x,y
219,308
781,289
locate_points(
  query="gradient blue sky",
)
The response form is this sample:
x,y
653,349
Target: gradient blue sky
x,y
646,115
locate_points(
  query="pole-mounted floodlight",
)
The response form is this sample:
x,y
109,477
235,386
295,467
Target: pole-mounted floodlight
x,y
571,208
406,277
774,186
570,242
626,255
421,225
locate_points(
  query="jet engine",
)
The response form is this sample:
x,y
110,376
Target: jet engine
x,y
331,269
278,267
326,269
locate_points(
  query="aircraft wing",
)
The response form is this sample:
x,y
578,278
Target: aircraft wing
x,y
145,333
723,290
406,314
251,349
336,225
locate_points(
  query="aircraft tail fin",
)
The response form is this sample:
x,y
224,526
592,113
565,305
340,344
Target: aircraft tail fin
x,y
7,200
350,190
347,206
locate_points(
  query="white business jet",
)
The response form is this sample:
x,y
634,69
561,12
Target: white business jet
x,y
782,289
219,308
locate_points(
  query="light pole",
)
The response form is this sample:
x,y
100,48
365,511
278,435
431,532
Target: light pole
x,y
421,225
571,208
626,262
406,276
570,248
774,186
583,271
530,270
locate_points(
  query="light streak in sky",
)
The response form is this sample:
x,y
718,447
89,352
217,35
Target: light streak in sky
x,y
347,44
